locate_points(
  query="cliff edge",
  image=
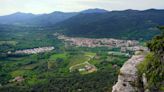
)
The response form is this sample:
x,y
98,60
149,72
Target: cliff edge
x,y
128,77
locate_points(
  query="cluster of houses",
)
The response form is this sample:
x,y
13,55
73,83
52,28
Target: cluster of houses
x,y
134,48
107,42
35,50
89,68
86,68
125,45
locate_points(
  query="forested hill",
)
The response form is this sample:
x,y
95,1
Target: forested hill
x,y
128,24
49,19
28,19
97,23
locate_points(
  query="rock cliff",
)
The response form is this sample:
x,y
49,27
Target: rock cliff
x,y
128,77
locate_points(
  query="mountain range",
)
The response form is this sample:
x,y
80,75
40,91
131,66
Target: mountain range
x,y
20,18
99,23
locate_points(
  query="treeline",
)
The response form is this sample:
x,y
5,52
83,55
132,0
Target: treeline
x,y
96,82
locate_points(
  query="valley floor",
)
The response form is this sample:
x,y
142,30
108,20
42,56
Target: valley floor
x,y
69,64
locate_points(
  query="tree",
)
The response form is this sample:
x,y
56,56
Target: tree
x,y
156,45
154,62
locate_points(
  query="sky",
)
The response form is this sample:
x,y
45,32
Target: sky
x,y
48,6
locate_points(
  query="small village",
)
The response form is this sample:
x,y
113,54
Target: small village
x,y
34,50
84,68
125,45
89,68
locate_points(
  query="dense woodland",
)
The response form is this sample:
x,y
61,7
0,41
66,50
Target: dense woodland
x,y
128,24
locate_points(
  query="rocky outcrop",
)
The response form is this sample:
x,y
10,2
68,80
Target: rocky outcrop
x,y
128,77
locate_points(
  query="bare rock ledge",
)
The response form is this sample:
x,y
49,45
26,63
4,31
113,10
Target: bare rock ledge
x,y
128,77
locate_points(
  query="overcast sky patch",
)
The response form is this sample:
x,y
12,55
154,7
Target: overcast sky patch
x,y
47,6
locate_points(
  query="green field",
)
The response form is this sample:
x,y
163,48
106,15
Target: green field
x,y
8,42
53,68
56,56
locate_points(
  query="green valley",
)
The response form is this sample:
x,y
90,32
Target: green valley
x,y
77,51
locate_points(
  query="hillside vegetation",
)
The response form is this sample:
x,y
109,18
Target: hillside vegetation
x,y
95,23
153,64
128,24
57,70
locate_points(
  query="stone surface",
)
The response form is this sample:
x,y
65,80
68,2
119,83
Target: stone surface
x,y
128,75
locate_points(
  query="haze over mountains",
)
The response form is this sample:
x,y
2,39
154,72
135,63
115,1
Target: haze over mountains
x,y
31,19
20,18
127,24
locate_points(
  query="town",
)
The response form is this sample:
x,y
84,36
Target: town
x,y
34,50
125,45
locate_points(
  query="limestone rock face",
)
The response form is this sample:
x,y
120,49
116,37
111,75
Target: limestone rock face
x,y
128,77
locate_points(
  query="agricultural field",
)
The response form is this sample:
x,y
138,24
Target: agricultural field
x,y
8,42
67,67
